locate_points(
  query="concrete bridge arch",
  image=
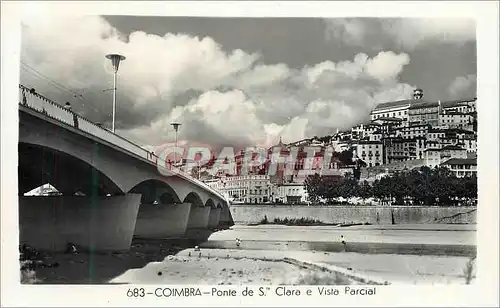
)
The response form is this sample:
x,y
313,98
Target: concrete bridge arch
x,y
122,191
124,170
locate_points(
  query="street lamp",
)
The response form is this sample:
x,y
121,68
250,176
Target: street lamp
x,y
176,128
115,61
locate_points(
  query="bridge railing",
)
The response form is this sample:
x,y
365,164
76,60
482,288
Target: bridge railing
x,y
35,101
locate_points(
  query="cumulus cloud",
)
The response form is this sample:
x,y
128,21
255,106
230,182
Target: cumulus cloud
x,y
406,33
221,98
463,86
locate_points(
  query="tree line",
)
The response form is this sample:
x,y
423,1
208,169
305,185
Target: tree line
x,y
423,186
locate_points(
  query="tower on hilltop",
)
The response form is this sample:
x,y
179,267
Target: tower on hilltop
x,y
418,94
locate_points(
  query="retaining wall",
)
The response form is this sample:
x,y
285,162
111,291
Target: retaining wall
x,y
250,214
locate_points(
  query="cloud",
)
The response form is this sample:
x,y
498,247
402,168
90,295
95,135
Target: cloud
x,y
406,33
350,30
387,65
221,98
463,86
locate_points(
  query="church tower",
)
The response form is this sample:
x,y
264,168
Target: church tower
x,y
418,94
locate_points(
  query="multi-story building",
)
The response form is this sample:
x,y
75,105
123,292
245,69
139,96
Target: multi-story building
x,y
399,149
411,131
370,152
415,129
432,157
461,167
453,151
469,143
432,144
214,183
360,131
246,188
424,113
376,136
435,134
340,146
465,106
290,193
372,128
455,119
435,156
397,109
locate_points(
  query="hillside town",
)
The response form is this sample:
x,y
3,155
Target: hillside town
x,y
400,135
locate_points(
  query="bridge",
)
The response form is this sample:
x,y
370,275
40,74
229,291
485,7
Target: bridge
x,y
110,189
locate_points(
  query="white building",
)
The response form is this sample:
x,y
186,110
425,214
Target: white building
x,y
435,134
340,146
432,157
453,151
214,183
370,152
397,109
412,131
454,119
436,156
246,188
291,193
461,167
465,106
469,143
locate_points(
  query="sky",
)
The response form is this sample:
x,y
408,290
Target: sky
x,y
244,81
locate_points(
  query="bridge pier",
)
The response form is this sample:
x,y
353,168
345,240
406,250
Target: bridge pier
x,y
98,223
213,218
161,221
226,219
198,217
198,222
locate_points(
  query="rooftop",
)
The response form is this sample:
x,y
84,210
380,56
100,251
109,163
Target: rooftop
x,y
400,103
418,105
454,103
414,102
452,147
369,142
453,112
460,161
458,131
388,119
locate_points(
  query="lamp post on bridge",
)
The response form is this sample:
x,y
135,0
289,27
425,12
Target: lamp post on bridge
x,y
176,128
115,61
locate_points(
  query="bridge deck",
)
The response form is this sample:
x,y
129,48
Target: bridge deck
x,y
42,107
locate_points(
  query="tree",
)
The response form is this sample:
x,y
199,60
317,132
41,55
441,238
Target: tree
x,y
365,190
311,184
345,157
347,187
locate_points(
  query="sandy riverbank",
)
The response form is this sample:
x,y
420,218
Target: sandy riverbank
x,y
226,271
147,258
